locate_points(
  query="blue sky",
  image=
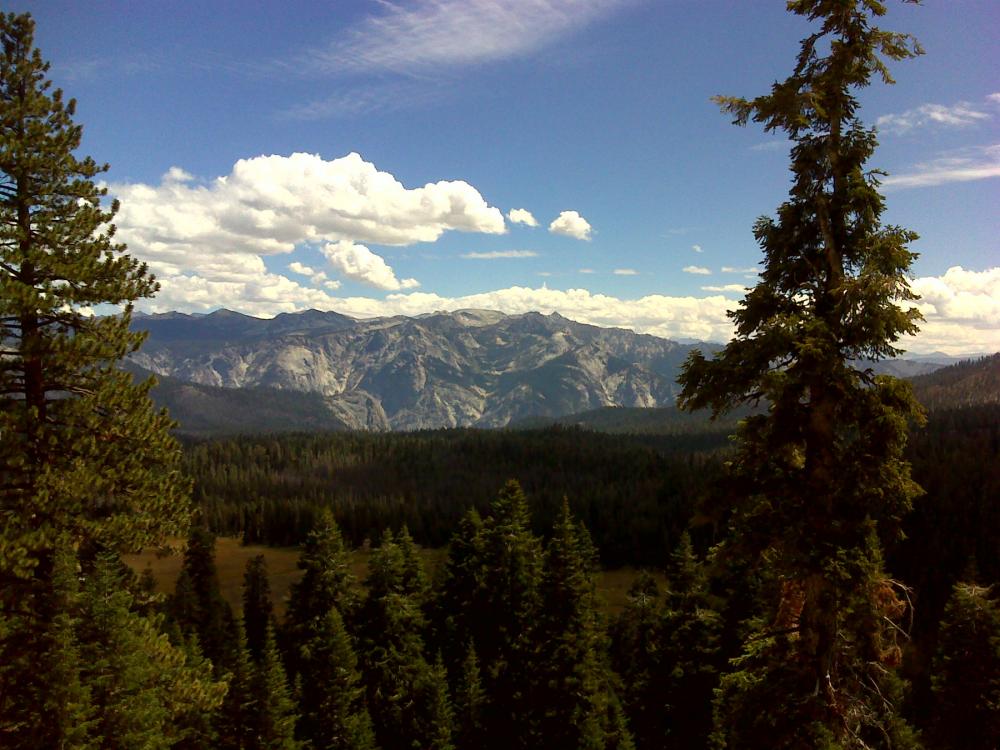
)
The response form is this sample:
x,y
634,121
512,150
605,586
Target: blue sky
x,y
380,158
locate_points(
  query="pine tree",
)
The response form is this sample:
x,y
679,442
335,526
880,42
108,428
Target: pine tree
x,y
327,583
574,678
490,596
635,651
67,716
687,661
83,451
469,701
407,696
258,612
274,716
236,715
85,461
966,672
197,605
331,695
146,692
820,482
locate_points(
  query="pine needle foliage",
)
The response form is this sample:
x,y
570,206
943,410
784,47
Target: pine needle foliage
x,y
86,463
819,482
83,451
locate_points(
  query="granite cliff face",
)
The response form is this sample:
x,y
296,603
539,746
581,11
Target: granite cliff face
x,y
471,367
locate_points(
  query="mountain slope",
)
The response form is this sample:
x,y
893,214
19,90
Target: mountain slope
x,y
208,411
968,383
470,367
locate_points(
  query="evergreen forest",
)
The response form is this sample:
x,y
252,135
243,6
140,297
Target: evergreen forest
x,y
827,576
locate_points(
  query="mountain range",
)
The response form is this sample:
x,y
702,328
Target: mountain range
x,y
466,368
313,370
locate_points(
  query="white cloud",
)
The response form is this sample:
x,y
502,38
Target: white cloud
x,y
961,310
358,263
586,270
971,164
296,267
318,278
671,317
959,115
496,254
625,272
430,34
571,224
696,248
522,216
962,307
176,174
726,289
993,98
205,241
268,204
732,269
697,270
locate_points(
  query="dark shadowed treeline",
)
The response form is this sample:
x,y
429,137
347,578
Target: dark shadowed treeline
x,y
635,496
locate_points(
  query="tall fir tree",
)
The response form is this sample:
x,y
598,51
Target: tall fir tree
x,y
407,696
635,651
688,656
469,701
197,605
234,722
327,582
274,711
820,481
146,692
574,678
966,672
85,461
491,594
258,611
331,695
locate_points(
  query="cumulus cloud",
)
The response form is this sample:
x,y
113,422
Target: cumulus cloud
x,y
696,248
961,311
522,216
358,263
296,267
625,272
671,317
268,204
318,278
959,115
497,254
205,240
430,34
962,307
965,166
571,224
697,270
726,289
734,269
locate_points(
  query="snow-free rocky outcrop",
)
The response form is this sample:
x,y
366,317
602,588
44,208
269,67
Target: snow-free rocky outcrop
x,y
471,367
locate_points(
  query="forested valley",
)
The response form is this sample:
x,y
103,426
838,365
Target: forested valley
x,y
817,569
637,500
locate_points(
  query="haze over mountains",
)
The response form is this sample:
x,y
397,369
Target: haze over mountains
x,y
317,370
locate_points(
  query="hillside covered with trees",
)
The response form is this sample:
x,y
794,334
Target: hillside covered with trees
x,y
831,572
